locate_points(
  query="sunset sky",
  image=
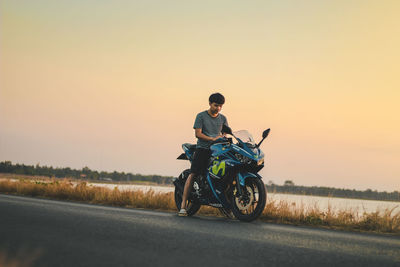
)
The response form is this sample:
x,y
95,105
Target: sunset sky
x,y
116,85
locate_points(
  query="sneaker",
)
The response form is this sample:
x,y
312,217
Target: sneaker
x,y
182,212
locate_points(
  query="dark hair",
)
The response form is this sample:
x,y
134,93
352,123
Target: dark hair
x,y
217,98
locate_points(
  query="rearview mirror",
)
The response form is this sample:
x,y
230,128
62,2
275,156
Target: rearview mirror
x,y
266,133
226,129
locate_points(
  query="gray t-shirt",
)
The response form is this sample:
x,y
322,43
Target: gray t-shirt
x,y
209,126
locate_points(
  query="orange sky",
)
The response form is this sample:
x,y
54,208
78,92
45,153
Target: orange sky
x,y
117,85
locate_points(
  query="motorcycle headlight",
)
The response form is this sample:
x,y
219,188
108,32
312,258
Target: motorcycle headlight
x,y
247,161
260,162
243,159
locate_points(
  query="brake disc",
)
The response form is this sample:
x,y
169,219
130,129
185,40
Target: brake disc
x,y
239,201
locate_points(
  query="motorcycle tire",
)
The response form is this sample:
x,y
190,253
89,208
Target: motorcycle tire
x,y
246,211
192,206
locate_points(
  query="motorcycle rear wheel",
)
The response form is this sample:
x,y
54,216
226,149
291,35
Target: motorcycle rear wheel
x,y
192,207
250,208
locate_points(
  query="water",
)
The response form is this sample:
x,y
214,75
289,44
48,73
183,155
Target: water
x,y
322,203
335,203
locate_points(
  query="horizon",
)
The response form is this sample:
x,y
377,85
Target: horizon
x,y
267,183
117,85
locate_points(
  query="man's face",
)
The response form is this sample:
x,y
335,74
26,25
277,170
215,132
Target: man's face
x,y
215,108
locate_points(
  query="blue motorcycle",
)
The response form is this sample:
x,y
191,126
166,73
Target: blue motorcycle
x,y
231,182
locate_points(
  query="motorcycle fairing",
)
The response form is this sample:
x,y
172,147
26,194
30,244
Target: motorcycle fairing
x,y
183,156
189,150
218,149
220,166
256,154
218,193
244,175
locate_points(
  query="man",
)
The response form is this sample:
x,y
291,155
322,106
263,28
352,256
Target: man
x,y
207,127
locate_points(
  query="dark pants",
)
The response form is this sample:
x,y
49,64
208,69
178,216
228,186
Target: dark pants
x,y
200,161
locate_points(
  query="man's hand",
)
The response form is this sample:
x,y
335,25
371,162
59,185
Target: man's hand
x,y
200,135
219,136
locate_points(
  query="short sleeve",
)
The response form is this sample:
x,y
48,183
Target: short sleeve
x,y
198,123
226,121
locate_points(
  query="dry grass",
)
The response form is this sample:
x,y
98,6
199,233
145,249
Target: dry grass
x,y
279,212
380,221
66,190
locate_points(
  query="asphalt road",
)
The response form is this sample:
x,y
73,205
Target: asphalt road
x,y
57,233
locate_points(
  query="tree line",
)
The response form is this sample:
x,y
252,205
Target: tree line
x,y
84,173
288,187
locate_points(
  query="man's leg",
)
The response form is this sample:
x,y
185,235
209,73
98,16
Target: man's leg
x,y
187,189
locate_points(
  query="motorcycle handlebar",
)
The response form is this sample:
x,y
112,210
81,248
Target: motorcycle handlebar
x,y
222,140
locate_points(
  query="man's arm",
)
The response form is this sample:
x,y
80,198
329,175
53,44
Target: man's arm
x,y
200,135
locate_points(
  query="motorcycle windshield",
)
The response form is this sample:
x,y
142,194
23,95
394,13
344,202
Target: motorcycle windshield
x,y
245,137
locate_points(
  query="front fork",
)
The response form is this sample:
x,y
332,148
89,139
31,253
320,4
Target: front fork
x,y
238,187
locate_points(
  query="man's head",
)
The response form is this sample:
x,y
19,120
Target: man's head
x,y
216,101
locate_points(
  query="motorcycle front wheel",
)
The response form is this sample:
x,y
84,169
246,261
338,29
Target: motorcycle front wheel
x,y
250,204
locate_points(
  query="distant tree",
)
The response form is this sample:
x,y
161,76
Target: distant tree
x,y
86,170
288,183
115,176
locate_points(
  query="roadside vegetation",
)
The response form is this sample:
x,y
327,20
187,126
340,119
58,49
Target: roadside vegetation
x,y
86,174
385,221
